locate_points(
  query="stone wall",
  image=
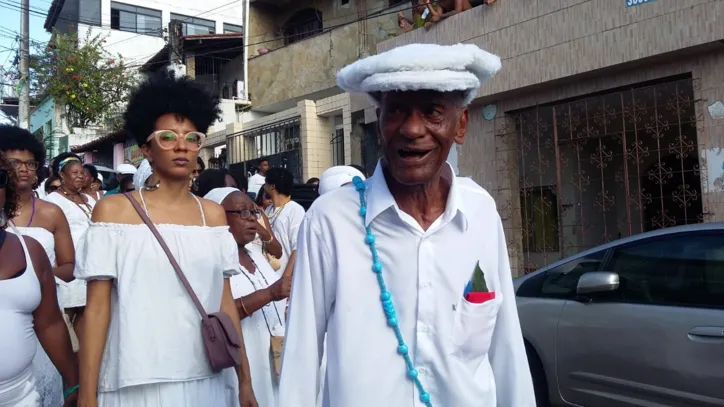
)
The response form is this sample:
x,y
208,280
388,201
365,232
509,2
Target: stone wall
x,y
546,40
307,69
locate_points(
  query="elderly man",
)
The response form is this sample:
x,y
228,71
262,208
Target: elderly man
x,y
407,273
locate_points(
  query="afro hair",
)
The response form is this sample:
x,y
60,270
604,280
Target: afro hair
x,y
162,94
15,138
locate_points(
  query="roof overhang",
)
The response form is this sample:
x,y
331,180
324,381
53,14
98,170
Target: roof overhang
x,y
226,46
109,139
53,13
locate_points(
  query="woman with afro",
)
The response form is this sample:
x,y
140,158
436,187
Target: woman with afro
x,y
143,344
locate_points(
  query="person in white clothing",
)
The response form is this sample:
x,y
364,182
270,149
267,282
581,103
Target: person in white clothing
x,y
143,345
257,181
29,312
331,179
338,176
44,222
285,215
260,295
77,208
407,272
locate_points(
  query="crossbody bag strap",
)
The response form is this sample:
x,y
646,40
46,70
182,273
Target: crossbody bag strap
x,y
166,250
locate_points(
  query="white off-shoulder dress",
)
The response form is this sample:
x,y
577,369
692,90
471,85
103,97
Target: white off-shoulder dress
x,y
154,354
48,382
72,295
258,328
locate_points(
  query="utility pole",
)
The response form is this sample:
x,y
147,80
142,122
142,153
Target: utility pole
x,y
24,85
175,48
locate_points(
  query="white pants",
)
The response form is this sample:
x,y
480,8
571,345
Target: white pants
x,y
20,391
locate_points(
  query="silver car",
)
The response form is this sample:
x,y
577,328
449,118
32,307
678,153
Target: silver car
x,y
635,322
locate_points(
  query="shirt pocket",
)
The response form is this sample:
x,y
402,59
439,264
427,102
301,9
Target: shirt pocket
x,y
473,330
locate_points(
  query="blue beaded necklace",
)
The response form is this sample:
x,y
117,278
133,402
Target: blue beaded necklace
x,y
386,297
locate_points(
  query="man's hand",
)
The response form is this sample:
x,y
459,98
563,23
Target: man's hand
x,y
281,288
246,395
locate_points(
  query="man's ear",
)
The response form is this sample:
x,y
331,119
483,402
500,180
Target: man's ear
x,y
462,126
378,127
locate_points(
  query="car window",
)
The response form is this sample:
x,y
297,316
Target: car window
x,y
683,270
561,281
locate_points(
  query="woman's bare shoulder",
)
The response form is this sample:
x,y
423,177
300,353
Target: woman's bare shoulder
x,y
114,209
215,214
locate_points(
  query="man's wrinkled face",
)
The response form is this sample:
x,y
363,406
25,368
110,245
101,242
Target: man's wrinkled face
x,y
416,130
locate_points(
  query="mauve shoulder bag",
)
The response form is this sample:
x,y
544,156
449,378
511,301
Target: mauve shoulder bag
x,y
221,340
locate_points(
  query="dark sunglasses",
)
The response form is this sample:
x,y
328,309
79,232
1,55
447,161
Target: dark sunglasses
x,y
247,214
51,188
3,179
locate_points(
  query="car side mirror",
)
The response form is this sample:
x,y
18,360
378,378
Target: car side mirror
x,y
597,282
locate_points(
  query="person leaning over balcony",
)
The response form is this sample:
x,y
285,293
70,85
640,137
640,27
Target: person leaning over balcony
x,y
407,273
448,8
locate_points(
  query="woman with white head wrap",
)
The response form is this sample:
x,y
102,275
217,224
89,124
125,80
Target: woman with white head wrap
x,y
336,177
144,173
260,295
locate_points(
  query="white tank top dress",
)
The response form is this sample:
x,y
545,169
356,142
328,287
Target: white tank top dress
x,y
19,298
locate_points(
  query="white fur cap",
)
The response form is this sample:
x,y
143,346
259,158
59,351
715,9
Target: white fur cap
x,y
443,68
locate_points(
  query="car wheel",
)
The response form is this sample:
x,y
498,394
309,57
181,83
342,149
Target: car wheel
x,y
540,384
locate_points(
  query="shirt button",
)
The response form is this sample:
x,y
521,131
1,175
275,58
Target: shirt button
x,y
426,284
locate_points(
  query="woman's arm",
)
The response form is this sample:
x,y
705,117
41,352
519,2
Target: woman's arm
x,y
253,302
273,247
97,318
64,249
97,314
48,320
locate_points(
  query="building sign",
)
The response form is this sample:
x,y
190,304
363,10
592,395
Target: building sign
x,y
632,3
134,154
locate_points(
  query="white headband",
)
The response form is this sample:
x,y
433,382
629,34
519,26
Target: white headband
x,y
219,194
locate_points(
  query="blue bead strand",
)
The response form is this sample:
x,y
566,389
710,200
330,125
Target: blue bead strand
x,y
386,298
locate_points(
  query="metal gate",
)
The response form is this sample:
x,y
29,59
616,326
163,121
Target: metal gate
x,y
584,172
279,142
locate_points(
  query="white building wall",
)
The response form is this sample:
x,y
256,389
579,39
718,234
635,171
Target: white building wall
x,y
138,48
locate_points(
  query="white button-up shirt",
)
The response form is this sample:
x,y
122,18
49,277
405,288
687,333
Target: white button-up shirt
x,y
466,354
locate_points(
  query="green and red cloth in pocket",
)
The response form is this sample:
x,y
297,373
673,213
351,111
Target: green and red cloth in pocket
x,y
476,292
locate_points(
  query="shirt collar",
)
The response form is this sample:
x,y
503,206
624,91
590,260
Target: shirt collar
x,y
379,199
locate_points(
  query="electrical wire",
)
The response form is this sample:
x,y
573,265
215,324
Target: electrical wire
x,y
324,30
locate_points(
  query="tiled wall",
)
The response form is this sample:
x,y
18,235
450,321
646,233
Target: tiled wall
x,y
546,40
482,155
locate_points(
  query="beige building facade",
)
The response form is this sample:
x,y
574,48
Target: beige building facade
x,y
605,120
299,118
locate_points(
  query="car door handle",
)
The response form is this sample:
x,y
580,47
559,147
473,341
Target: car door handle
x,y
708,331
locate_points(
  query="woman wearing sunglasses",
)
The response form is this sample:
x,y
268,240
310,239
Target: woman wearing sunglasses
x,y
143,344
260,295
44,222
29,311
